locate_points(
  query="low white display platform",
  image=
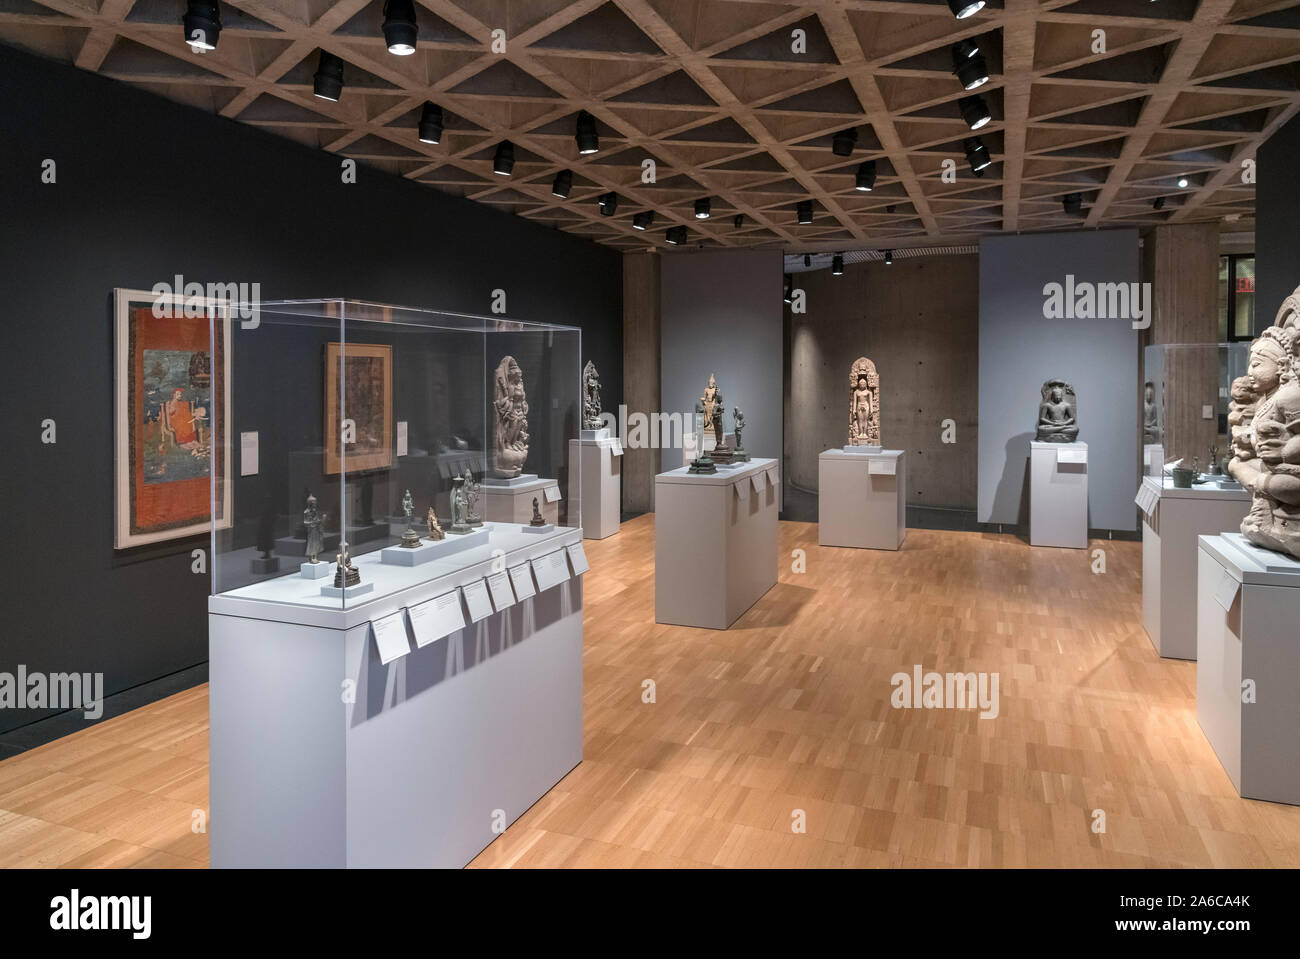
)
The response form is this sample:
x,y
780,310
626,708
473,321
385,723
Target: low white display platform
x,y
514,503
1248,605
431,549
1153,459
715,542
1170,525
398,730
1058,494
598,464
862,498
316,570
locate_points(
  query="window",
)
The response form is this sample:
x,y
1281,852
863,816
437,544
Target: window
x,y
1236,297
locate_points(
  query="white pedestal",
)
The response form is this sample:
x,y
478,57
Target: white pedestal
x,y
514,503
862,498
715,543
1153,459
1248,608
1058,494
594,462
1169,533
409,774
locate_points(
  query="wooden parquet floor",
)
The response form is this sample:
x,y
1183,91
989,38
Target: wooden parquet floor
x,y
785,715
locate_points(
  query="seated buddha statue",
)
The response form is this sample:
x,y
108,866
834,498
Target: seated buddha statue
x,y
1056,419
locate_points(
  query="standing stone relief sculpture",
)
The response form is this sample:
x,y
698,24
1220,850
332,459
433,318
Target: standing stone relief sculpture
x,y
1057,421
1265,420
590,397
1151,432
864,404
511,432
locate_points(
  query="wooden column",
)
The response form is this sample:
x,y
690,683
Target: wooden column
x,y
640,371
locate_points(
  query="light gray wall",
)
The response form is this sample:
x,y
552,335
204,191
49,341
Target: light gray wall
x,y
722,313
1019,349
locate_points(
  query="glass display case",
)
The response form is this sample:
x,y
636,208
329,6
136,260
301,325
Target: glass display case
x,y
376,447
1186,392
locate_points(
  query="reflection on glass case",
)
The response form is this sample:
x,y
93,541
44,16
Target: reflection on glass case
x,y
1182,383
378,447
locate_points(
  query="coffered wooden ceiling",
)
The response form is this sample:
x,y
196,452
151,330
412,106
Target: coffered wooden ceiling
x,y
711,90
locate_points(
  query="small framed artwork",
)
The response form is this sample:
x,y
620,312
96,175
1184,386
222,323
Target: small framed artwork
x,y
172,415
358,407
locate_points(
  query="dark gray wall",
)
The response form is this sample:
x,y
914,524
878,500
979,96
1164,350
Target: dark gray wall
x,y
147,189
1019,350
918,321
721,313
1277,222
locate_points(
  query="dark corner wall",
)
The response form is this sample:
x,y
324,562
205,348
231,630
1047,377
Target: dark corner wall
x,y
147,189
1277,222
918,321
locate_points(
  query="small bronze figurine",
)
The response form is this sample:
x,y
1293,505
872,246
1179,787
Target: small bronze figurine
x,y
435,531
410,538
537,519
459,507
471,500
345,574
313,520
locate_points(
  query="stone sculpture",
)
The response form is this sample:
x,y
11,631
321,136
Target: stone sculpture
x,y
435,531
1266,433
864,403
537,519
511,405
410,538
739,454
313,521
345,574
471,500
702,463
1056,414
1151,431
459,506
711,403
590,397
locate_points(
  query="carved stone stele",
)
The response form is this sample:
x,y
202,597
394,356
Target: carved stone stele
x,y
1057,414
590,397
864,404
1265,422
510,447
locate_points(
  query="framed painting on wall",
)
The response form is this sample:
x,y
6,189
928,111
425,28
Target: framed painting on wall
x,y
362,388
172,411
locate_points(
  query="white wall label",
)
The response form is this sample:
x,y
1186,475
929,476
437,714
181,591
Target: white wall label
x,y
742,490
439,617
552,493
248,454
390,637
402,433
759,480
499,587
551,569
476,598
616,447
773,476
522,579
1064,455
578,557
1226,591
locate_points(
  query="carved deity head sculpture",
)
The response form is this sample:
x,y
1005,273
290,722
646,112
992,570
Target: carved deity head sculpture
x,y
590,397
1240,416
1271,366
864,404
510,448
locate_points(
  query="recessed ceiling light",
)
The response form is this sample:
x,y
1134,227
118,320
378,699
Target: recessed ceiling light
x,y
1182,182
702,208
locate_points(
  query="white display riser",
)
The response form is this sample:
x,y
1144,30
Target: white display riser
x,y
860,508
601,473
715,543
1169,560
1153,460
413,771
1255,638
514,504
1058,496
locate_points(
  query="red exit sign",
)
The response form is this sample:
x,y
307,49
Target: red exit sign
x,y
1245,284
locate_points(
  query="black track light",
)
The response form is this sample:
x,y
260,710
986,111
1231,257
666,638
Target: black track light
x,y
400,27
563,184
643,220
703,208
891,208
202,23
1072,202
971,71
837,264
1158,203
961,9
430,123
608,203
804,210
676,235
789,288
964,50
328,82
807,260
975,111
866,177
977,154
738,221
587,138
503,163
889,258
842,143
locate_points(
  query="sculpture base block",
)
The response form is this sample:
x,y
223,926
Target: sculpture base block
x,y
336,592
514,503
316,570
265,564
432,549
519,480
1058,494
862,500
871,450
544,528
600,434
